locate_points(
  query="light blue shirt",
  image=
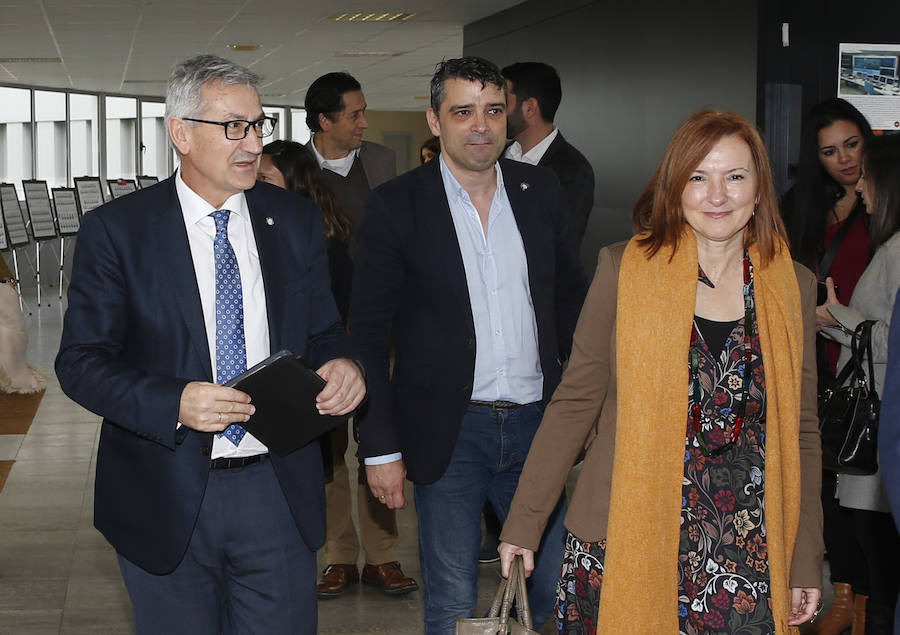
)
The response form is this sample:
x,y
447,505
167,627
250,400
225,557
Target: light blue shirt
x,y
507,361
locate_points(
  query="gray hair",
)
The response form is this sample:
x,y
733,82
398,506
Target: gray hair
x,y
183,97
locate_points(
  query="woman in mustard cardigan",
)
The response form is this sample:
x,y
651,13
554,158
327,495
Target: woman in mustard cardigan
x,y
691,393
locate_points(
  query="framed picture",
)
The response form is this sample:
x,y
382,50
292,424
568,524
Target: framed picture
x,y
40,211
12,215
66,204
89,193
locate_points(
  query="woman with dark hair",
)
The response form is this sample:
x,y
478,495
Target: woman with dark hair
x,y
293,166
827,230
429,149
873,299
690,392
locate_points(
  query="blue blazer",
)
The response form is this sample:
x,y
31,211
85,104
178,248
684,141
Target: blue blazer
x,y
134,336
410,283
889,421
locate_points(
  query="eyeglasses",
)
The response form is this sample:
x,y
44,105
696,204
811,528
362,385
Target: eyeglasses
x,y
237,129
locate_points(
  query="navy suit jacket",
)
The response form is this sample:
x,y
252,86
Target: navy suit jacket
x,y
134,336
410,282
577,178
889,422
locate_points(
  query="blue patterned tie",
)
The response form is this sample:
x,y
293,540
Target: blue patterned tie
x,y
231,351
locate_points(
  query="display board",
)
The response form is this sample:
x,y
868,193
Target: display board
x,y
12,215
40,211
147,181
89,193
4,239
66,204
120,187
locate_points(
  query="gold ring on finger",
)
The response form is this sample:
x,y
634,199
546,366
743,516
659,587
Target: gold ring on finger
x,y
220,416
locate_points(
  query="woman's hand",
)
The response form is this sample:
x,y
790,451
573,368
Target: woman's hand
x,y
805,605
509,552
823,316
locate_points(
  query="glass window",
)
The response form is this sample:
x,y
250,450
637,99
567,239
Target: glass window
x,y
83,135
278,113
15,135
121,113
154,140
299,129
50,139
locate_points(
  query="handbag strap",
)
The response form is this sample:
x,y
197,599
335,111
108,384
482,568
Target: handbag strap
x,y
835,244
509,596
523,608
861,347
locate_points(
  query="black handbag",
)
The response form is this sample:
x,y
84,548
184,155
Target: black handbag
x,y
848,417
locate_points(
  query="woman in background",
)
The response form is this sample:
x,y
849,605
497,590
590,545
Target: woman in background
x,y
827,225
430,149
293,167
873,299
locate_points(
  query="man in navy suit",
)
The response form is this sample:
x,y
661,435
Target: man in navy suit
x,y
535,93
176,287
468,264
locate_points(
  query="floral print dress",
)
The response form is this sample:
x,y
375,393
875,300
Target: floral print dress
x,y
723,566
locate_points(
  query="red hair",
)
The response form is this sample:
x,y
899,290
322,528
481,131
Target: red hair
x,y
658,212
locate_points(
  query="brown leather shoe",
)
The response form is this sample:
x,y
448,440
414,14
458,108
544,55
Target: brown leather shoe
x,y
335,579
388,578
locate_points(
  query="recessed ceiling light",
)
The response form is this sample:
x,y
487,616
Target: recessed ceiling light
x,y
30,60
244,47
387,16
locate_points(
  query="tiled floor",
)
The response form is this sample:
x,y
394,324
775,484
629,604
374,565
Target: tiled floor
x,y
58,574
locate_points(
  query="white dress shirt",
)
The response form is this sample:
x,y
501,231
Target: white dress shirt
x,y
533,156
340,166
201,231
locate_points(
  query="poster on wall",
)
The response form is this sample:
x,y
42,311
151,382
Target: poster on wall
x,y
869,78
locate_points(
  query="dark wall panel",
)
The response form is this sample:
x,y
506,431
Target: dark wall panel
x,y
631,72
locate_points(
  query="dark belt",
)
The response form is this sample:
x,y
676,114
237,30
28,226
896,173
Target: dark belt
x,y
229,463
497,405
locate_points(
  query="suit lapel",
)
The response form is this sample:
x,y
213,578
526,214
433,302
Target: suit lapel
x,y
523,200
431,202
175,258
266,236
551,150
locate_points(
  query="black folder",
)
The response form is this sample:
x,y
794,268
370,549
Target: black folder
x,y
283,388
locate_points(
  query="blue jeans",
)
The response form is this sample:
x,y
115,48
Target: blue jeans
x,y
486,463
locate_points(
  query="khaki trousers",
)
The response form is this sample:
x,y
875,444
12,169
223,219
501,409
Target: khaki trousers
x,y
377,523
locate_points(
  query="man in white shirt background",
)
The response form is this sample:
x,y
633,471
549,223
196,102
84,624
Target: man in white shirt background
x,y
336,114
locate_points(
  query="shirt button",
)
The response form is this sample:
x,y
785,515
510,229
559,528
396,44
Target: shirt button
x,y
497,331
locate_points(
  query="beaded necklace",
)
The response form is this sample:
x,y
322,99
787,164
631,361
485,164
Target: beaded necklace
x,y
748,355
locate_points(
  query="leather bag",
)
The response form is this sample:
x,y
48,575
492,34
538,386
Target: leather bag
x,y
848,417
498,622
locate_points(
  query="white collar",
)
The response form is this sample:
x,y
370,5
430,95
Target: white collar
x,y
341,166
534,155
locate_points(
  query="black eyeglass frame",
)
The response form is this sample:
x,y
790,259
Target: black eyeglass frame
x,y
261,133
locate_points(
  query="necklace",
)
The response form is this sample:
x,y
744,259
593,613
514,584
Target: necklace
x,y
748,355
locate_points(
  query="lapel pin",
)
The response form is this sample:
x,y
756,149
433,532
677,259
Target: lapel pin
x,y
524,186
270,220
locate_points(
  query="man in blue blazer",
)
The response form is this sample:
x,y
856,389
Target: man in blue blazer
x,y
173,288
468,265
